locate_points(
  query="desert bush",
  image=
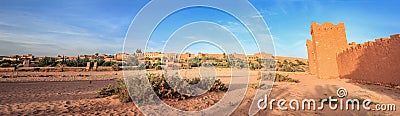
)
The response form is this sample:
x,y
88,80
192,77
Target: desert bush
x,y
141,66
9,63
118,89
278,78
284,78
287,66
257,86
115,67
19,65
5,65
300,62
194,62
159,86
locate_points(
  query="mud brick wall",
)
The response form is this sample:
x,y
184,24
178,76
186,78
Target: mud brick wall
x,y
8,69
74,69
311,57
327,40
377,61
102,68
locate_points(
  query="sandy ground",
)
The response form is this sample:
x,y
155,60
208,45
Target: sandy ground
x,y
58,76
55,93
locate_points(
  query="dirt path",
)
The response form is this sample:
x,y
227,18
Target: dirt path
x,y
49,91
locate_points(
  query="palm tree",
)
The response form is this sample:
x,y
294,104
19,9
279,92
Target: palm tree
x,y
138,51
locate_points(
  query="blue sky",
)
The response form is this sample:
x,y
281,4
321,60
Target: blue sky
x,y
52,27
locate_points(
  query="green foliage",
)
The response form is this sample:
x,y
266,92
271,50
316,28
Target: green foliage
x,y
278,78
217,85
300,62
118,89
163,90
159,86
288,66
240,63
223,64
107,63
47,61
19,65
6,64
253,66
157,64
220,63
9,63
138,51
99,62
257,86
195,62
118,63
80,62
115,67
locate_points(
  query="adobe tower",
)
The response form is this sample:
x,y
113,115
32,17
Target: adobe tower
x,y
327,40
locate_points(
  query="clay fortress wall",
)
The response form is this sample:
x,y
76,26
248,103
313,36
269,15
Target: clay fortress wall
x,y
330,56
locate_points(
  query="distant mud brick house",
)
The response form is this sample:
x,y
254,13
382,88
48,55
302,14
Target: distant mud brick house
x,y
120,57
217,56
186,56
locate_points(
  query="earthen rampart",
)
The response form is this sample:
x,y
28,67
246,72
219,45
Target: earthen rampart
x,y
374,61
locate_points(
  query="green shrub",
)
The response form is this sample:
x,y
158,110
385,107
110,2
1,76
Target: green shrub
x,y
118,89
5,65
159,86
115,67
257,86
19,65
278,78
288,66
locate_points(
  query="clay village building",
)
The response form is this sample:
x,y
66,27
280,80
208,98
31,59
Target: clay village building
x,y
19,57
121,57
148,58
217,56
151,57
186,56
153,54
238,56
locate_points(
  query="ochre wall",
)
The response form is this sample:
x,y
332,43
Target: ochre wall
x,y
327,40
377,62
311,57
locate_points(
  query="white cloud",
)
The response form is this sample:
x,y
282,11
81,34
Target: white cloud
x,y
24,32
